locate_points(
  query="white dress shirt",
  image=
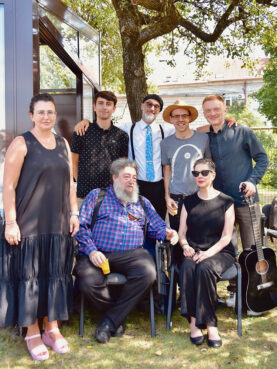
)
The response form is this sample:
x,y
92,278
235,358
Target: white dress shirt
x,y
139,139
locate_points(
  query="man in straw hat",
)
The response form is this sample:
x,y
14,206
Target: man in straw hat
x,y
179,152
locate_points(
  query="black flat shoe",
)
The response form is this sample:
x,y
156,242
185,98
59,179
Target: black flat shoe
x,y
214,343
197,340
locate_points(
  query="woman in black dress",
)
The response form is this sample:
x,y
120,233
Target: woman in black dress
x,y
41,217
205,233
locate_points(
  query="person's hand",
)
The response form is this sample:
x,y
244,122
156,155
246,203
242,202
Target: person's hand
x,y
188,251
97,258
81,127
231,121
12,233
250,188
172,206
201,255
172,236
74,225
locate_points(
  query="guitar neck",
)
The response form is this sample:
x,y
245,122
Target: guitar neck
x,y
256,232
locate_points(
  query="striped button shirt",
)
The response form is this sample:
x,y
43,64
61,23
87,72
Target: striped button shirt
x,y
117,227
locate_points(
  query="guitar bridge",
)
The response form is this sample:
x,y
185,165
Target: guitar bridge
x,y
264,285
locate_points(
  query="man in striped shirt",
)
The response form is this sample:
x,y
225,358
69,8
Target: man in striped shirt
x,y
118,234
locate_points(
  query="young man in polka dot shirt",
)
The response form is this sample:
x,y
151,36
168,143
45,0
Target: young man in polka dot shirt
x,y
101,144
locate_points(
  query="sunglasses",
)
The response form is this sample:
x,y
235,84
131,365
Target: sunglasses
x,y
203,173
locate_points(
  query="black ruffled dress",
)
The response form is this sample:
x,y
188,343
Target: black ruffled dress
x,y
35,276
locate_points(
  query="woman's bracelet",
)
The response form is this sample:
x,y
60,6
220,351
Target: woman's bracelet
x,y
10,222
185,244
74,213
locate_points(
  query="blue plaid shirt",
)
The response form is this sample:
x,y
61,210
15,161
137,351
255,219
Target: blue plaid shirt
x,y
117,227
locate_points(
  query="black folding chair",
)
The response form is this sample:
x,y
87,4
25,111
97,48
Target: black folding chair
x,y
266,231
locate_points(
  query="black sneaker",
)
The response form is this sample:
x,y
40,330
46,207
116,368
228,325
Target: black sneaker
x,y
103,332
120,331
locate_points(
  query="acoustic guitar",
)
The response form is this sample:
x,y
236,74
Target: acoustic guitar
x,y
259,272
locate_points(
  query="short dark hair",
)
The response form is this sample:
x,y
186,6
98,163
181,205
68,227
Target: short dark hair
x,y
209,162
40,97
154,97
108,95
122,163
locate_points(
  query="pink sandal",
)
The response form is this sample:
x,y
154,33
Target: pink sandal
x,y
60,345
37,351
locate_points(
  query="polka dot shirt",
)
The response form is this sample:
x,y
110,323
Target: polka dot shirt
x,y
97,149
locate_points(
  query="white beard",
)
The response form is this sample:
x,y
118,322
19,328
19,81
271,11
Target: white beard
x,y
123,196
148,119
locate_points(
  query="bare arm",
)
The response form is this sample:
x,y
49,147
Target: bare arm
x,y
170,203
14,160
75,163
187,250
204,129
225,239
74,222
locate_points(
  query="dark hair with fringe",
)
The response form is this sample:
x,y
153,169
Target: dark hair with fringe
x,y
40,97
108,95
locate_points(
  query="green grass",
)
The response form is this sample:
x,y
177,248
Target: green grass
x,y
169,349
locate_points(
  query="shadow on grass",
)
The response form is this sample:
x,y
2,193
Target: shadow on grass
x,y
169,349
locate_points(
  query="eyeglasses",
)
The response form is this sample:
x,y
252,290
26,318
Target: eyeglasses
x,y
49,113
150,105
203,173
178,116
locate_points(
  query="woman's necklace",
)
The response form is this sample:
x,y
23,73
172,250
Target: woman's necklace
x,y
48,142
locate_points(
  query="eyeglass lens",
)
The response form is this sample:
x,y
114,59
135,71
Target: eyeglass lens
x,y
149,104
178,116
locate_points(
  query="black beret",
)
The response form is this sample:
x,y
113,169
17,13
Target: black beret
x,y
154,97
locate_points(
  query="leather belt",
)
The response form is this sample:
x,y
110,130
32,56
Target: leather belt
x,y
182,197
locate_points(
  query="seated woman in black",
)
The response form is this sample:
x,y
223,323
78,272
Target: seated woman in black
x,y
205,232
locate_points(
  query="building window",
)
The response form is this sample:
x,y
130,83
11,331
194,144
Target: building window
x,y
228,101
54,74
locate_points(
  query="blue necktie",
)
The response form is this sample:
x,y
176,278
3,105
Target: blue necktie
x,y
150,174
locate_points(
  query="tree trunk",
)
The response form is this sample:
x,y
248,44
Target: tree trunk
x,y
134,76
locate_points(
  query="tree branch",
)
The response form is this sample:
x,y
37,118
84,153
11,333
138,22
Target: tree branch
x,y
161,26
222,24
151,4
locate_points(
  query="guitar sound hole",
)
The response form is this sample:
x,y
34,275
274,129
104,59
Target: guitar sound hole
x,y
262,267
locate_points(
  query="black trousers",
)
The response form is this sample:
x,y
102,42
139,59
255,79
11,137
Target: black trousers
x,y
154,192
198,287
138,267
174,222
243,218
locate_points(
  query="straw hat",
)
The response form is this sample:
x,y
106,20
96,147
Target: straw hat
x,y
180,105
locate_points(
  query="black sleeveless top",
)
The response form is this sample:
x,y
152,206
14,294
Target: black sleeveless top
x,y
43,208
205,221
